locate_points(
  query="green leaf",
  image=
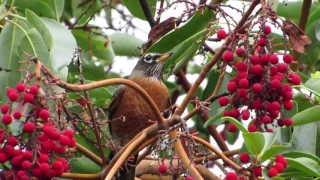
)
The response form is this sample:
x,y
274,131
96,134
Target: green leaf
x,y
291,10
182,39
84,165
313,85
125,45
135,8
40,7
290,172
57,7
10,36
298,154
95,44
307,116
63,45
39,24
255,142
271,152
306,165
215,119
304,138
311,54
270,138
236,123
91,7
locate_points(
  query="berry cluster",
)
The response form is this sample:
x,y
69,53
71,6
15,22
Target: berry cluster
x,y
261,85
39,148
279,166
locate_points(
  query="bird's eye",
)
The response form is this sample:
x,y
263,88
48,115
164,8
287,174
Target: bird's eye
x,y
148,59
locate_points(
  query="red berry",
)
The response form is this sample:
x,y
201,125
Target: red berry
x,y
232,86
240,52
282,160
288,121
267,30
279,167
42,137
64,140
36,172
29,127
24,177
44,167
274,59
242,93
3,158
264,59
223,101
9,90
256,88
33,89
282,67
275,83
57,166
48,130
295,79
280,122
221,34
235,113
28,97
273,70
12,141
20,87
242,74
189,178
43,158
287,58
272,172
241,66
266,119
44,114
227,113
17,115
6,119
275,105
27,155
269,130
262,42
227,56
243,83
26,165
232,127
9,150
244,158
252,128
69,133
13,96
288,105
162,168
257,171
231,176
72,142
60,150
245,114
17,160
254,59
5,108
257,70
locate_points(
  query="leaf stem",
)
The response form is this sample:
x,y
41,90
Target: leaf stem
x,y
26,34
16,15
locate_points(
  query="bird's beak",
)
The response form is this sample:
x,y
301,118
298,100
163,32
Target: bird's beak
x,y
164,57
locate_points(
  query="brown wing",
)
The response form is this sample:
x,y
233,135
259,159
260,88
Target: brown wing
x,y
117,95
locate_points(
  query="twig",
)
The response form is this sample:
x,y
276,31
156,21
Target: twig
x,y
89,154
147,12
305,10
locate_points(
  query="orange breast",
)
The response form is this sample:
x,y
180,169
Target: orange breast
x,y
135,110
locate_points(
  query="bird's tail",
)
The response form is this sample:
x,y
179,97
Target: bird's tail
x,y
126,173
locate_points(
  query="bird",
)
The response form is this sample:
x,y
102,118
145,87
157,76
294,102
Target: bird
x,y
129,113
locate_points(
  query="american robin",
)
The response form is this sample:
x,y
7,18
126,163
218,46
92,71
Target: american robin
x,y
129,113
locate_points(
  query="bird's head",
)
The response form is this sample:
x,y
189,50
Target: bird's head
x,y
150,65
